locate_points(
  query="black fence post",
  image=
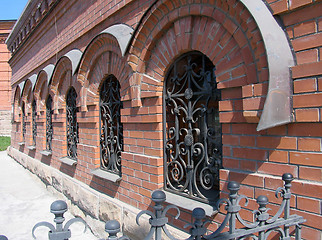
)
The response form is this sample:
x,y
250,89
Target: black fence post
x,y
287,178
158,219
58,208
233,187
262,214
198,228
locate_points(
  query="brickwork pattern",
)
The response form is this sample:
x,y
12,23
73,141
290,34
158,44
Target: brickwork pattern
x,y
223,30
5,75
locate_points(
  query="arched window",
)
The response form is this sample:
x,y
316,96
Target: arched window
x,y
71,124
49,123
111,129
34,123
23,120
192,132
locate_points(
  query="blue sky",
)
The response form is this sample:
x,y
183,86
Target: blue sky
x,y
11,9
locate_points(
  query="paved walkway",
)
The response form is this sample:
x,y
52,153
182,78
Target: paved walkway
x,y
25,201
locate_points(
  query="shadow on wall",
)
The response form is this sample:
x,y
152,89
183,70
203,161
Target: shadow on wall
x,y
45,159
104,186
69,170
247,152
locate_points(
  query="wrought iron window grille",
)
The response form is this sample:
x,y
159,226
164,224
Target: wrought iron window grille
x,y
111,128
192,132
71,124
49,123
23,116
34,123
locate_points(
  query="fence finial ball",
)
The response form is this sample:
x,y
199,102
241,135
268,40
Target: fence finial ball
x,y
112,227
58,207
233,186
287,177
199,213
158,196
262,200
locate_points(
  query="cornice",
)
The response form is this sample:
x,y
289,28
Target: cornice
x,y
33,14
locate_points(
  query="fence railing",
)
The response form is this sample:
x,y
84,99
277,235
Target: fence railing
x,y
260,228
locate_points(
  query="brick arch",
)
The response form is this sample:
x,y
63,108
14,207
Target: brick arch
x,y
41,91
61,80
16,104
168,15
62,66
226,33
27,96
102,57
217,44
66,82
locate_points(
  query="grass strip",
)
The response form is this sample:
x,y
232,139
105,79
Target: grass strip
x,y
4,142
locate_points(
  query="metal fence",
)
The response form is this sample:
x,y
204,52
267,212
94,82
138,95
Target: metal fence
x,y
262,227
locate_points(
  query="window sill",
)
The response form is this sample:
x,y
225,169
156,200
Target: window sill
x,y
21,143
68,161
32,147
106,175
189,204
46,153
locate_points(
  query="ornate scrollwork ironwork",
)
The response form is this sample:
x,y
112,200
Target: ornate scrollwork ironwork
x,y
158,219
192,129
23,118
263,224
111,136
72,126
49,123
34,123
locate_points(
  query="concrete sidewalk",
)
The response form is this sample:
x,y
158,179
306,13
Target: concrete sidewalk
x,y
25,201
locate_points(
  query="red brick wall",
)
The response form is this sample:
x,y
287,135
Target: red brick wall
x,y
5,70
72,22
223,30
5,75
